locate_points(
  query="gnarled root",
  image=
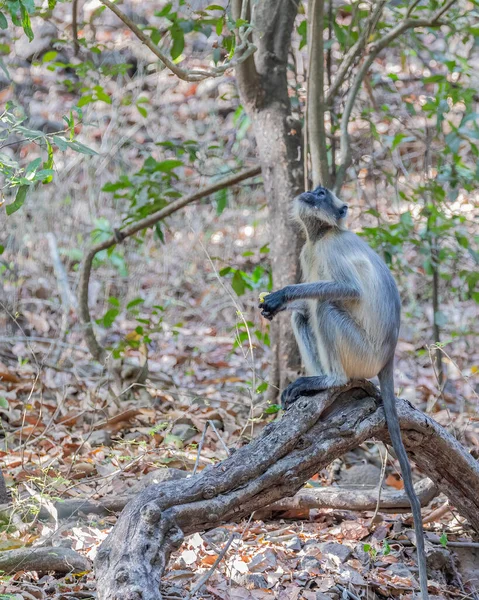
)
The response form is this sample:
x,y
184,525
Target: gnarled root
x,y
313,433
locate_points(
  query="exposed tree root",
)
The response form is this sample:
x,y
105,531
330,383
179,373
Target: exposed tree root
x,y
132,559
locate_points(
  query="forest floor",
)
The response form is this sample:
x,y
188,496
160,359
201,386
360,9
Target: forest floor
x,y
70,435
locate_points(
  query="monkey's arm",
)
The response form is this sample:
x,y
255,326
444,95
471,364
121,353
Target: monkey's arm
x,y
320,290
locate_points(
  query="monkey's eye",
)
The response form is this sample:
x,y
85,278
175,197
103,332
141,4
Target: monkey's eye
x,y
321,194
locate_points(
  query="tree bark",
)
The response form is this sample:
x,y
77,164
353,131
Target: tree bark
x,y
263,86
313,433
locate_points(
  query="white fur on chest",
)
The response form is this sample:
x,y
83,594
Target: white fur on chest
x,y
314,266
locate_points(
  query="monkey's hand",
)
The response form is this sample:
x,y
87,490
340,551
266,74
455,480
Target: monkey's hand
x,y
272,304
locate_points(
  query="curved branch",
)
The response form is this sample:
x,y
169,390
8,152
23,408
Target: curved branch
x,y
374,49
96,350
354,51
275,465
244,50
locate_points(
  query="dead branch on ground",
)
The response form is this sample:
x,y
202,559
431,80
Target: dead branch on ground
x,y
43,560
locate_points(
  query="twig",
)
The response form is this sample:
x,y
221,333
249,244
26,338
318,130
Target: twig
x,y
76,44
5,339
209,423
347,592
225,447
67,297
96,350
245,49
200,447
354,52
214,566
381,482
437,514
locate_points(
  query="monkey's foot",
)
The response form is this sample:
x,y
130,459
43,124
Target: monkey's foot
x,y
303,386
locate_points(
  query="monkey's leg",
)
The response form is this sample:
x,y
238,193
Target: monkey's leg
x,y
343,352
307,341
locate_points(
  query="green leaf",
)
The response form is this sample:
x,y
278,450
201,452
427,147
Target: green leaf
x,y
49,56
82,149
272,409
225,271
134,302
26,24
167,165
302,30
102,95
48,164
142,110
86,99
3,402
109,317
61,142
178,41
262,388
3,21
29,5
366,547
32,167
114,301
221,200
219,25
19,200
165,10
238,284
443,539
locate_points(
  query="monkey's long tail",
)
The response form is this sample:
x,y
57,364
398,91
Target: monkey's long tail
x,y
386,380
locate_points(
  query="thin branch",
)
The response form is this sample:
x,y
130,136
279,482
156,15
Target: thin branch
x,y
354,51
315,100
374,49
204,578
76,43
97,351
243,51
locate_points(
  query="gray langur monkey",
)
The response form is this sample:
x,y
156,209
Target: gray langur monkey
x,y
346,318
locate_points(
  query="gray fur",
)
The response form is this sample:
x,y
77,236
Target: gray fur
x,y
348,320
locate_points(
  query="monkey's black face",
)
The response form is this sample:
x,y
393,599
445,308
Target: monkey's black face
x,y
320,205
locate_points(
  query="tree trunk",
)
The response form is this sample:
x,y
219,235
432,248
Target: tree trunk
x,y
263,87
131,561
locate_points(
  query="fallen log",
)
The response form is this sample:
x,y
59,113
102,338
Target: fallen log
x,y
43,559
313,433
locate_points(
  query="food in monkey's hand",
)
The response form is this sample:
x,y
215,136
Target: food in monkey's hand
x,y
262,296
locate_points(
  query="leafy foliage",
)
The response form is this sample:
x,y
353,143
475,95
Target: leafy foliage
x,y
19,178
